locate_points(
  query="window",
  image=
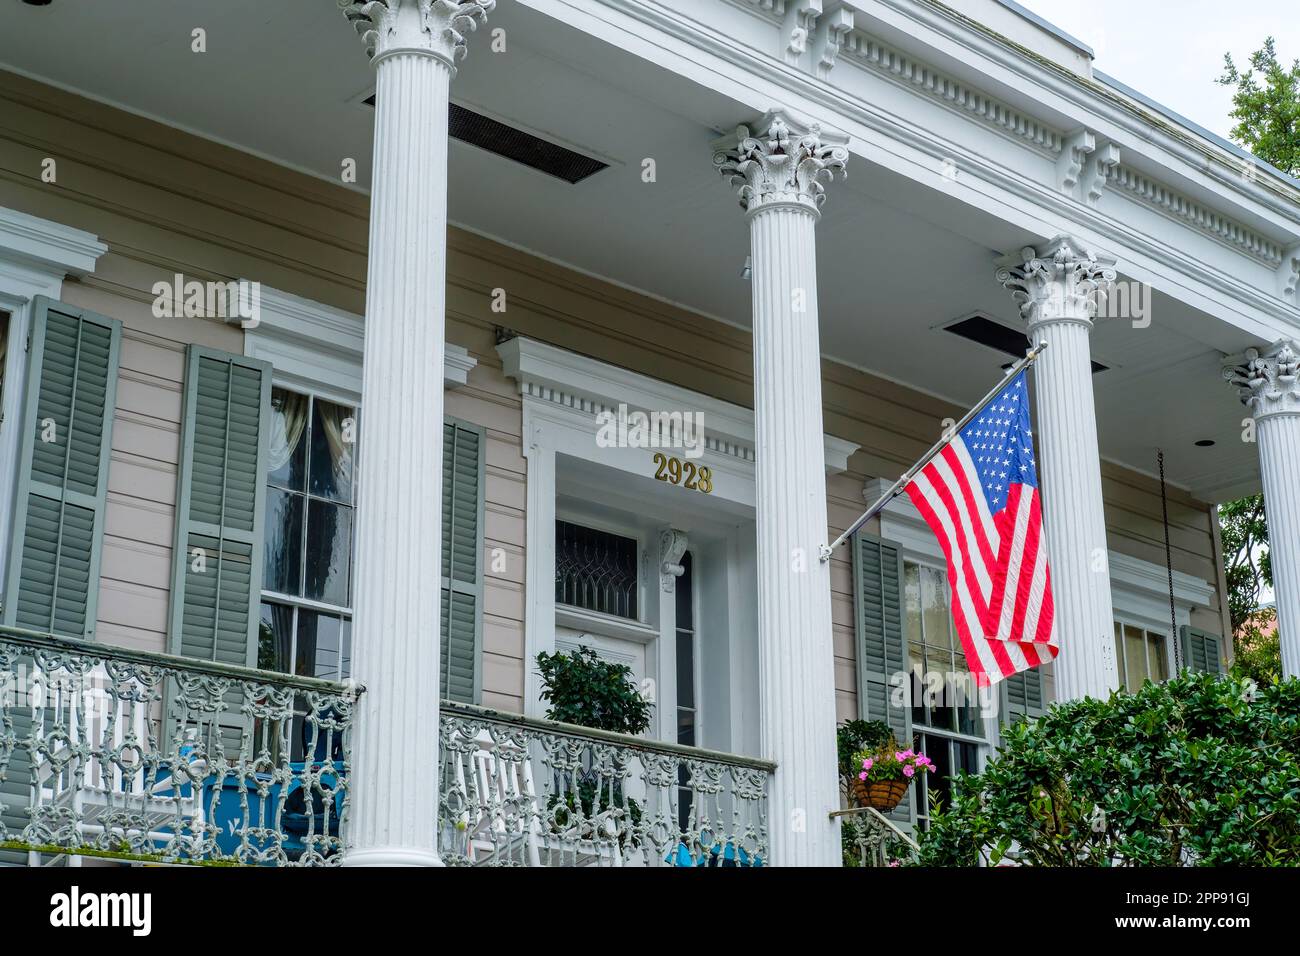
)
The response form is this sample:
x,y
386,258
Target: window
x,y
946,721
306,625
687,718
596,570
1140,654
4,357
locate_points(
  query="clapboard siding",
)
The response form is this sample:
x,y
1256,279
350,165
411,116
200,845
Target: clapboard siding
x,y
166,202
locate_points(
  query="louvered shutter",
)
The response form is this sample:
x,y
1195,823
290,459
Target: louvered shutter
x,y
62,483
1202,651
217,563
1023,696
462,558
881,642
53,566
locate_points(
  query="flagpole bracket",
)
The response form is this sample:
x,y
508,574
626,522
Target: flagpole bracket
x,y
824,552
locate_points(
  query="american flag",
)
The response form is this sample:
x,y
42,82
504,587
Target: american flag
x,y
979,494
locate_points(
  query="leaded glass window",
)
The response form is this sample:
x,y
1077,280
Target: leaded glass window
x,y
596,570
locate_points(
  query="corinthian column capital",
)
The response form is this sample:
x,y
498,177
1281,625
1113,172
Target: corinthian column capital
x,y
1062,282
786,163
435,27
1268,382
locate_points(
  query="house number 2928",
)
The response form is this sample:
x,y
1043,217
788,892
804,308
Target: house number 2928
x,y
684,473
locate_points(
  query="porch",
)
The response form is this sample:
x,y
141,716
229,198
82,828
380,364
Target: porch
x,y
110,756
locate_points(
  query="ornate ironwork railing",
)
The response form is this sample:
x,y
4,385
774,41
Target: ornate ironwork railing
x,y
119,753
517,791
873,839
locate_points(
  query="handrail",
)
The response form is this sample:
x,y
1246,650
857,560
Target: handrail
x,y
41,639
883,819
544,725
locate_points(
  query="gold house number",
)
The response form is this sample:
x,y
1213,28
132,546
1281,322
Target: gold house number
x,y
684,473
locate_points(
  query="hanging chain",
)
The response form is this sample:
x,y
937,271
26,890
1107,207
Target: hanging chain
x,y
1169,565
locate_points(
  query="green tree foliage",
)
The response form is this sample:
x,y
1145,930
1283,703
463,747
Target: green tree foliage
x,y
584,689
1266,106
1248,570
1199,770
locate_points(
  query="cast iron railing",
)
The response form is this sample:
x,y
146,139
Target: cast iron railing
x,y
518,791
125,754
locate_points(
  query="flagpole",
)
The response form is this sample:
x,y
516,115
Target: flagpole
x,y
897,487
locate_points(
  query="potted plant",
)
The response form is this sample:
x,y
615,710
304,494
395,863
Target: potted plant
x,y
853,736
885,774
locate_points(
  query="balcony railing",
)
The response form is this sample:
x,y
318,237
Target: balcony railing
x,y
118,753
517,791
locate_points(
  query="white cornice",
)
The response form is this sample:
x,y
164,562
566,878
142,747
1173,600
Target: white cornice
x,y
312,344
556,376
45,252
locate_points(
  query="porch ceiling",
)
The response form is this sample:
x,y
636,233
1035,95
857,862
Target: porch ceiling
x,y
897,260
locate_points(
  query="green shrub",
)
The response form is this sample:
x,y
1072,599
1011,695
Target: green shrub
x,y
1198,770
587,690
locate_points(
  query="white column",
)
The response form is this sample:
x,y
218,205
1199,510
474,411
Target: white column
x,y
1057,288
394,810
779,175
1269,385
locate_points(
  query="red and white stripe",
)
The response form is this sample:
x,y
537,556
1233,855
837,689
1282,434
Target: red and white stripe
x,y
997,565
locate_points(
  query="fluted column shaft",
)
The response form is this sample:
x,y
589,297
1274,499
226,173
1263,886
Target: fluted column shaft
x,y
1269,385
796,655
1057,289
396,620
1074,521
780,174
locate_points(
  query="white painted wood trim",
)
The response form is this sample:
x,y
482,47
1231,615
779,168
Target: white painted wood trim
x,y
315,346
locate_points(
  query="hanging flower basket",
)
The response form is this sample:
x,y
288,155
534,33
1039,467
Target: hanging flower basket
x,y
885,776
884,795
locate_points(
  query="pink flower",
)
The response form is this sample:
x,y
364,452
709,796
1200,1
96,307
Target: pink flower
x,y
898,755
908,771
866,764
863,775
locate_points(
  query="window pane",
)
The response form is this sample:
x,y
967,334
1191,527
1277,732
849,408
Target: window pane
x,y
1156,655
282,547
320,638
912,599
684,588
329,552
916,666
275,638
595,570
1119,654
4,351
333,430
686,727
1135,662
345,662
685,669
287,453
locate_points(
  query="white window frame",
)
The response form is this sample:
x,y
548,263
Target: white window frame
x,y
1140,597
317,350
36,255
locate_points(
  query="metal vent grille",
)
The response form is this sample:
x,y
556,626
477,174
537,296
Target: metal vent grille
x,y
995,335
514,144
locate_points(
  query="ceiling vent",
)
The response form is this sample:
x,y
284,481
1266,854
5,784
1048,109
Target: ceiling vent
x,y
515,144
995,335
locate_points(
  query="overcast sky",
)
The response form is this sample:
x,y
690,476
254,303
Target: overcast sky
x,y
1172,50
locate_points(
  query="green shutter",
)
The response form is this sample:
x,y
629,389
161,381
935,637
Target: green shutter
x,y
62,484
881,642
217,562
62,480
1023,696
462,560
1202,651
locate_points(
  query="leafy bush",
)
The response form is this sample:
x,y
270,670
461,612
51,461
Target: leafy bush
x,y
584,689
1198,770
855,736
